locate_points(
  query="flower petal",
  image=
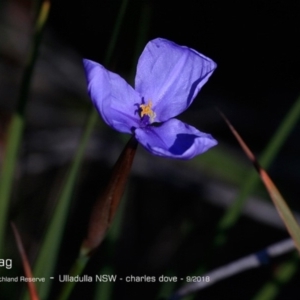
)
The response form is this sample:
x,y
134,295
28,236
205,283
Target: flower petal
x,y
174,139
171,76
115,100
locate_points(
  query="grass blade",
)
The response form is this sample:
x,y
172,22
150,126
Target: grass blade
x,y
283,274
278,139
31,286
103,212
49,250
279,202
16,127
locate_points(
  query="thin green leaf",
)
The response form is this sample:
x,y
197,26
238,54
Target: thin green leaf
x,y
251,179
49,250
17,124
103,212
279,202
104,291
282,275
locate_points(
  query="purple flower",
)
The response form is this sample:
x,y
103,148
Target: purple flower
x,y
168,79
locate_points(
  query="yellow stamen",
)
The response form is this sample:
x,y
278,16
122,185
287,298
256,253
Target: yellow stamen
x,y
147,111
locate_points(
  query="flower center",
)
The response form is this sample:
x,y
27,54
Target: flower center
x,y
147,111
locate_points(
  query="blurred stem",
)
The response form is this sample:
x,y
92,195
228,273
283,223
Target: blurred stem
x,y
115,34
26,266
104,291
106,206
283,274
103,211
232,214
141,39
76,270
52,240
17,123
167,288
49,250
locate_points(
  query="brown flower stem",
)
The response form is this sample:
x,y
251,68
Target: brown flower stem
x,y
103,213
106,205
